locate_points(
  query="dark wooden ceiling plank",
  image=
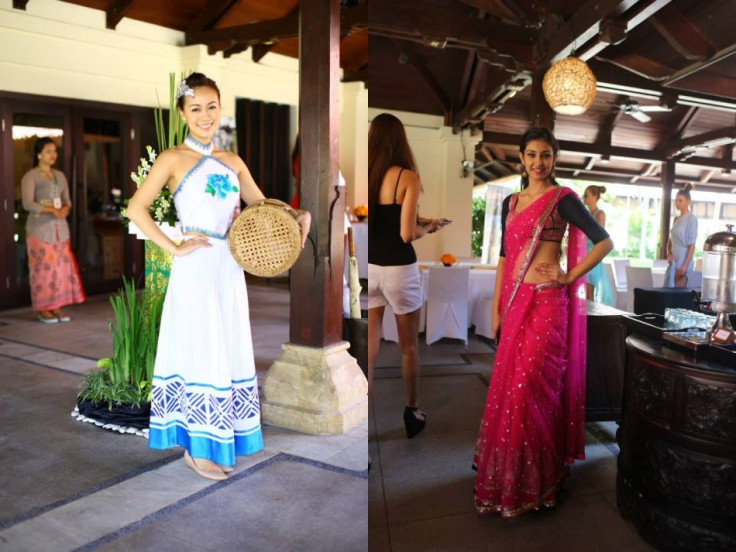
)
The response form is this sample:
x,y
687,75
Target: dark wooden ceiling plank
x,y
259,51
681,34
699,66
582,27
234,49
214,11
492,97
115,12
414,19
693,143
267,31
467,79
583,149
497,9
425,76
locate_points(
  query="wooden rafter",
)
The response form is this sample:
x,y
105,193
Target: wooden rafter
x,y
267,32
681,34
213,12
408,53
115,12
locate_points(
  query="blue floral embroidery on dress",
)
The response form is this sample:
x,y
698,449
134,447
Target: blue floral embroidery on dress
x,y
219,185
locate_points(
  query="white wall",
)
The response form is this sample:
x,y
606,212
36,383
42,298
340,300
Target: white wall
x,y
59,49
439,154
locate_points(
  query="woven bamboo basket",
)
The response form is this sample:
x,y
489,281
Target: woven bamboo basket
x,y
265,238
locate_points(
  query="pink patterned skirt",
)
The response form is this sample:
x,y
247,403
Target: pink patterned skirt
x,y
520,452
54,274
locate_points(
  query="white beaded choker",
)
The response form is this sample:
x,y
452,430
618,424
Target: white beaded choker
x,y
199,147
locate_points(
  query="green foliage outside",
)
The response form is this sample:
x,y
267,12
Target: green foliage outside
x,y
127,377
479,219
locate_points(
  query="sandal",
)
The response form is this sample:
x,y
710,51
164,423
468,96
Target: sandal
x,y
48,319
60,316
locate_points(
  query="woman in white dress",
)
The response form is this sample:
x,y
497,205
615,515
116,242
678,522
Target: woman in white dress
x,y
205,393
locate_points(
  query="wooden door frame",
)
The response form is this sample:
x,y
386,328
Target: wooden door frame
x,y
134,119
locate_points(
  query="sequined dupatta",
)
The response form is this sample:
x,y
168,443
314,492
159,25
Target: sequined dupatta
x,y
520,249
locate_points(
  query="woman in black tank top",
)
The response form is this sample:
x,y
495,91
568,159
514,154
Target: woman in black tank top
x,y
393,275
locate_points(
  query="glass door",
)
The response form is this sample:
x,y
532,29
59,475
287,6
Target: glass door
x,y
99,167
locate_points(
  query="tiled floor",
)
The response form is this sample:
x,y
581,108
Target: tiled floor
x,y
421,490
67,485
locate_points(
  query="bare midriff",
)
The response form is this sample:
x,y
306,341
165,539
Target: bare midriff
x,y
547,252
200,234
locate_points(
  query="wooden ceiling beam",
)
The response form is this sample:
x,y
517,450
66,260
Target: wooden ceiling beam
x,y
499,11
271,30
406,52
681,34
266,32
115,12
582,27
413,19
212,13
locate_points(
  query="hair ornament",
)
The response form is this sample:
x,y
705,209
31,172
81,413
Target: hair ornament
x,y
184,90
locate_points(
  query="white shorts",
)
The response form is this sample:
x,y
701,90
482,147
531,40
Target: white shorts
x,y
400,287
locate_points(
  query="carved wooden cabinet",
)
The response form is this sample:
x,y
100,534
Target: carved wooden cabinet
x,y
677,468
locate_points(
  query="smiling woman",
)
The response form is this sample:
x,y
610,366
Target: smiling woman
x,y
205,393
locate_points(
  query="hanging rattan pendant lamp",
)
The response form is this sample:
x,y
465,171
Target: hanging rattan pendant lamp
x,y
569,86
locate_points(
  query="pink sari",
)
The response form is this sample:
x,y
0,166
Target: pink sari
x,y
533,423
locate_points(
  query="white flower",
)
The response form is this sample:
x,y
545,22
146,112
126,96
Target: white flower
x,y
162,206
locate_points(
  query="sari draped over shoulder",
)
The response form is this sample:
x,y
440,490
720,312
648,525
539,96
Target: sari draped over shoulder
x,y
533,423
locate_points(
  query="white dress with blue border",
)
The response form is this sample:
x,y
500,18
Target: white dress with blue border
x,y
205,392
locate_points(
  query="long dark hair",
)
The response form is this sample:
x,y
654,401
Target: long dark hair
x,y
387,147
538,133
38,148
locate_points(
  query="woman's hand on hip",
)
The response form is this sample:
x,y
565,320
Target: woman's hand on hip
x,y
189,245
551,271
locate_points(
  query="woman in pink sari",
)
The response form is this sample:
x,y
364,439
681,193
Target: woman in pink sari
x,y
533,423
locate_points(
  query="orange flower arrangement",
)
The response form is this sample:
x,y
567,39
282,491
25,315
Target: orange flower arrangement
x,y
448,259
360,211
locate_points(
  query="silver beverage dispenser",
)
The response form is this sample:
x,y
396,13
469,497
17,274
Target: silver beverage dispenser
x,y
719,282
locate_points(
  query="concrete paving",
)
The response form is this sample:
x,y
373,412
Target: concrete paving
x,y
68,485
421,490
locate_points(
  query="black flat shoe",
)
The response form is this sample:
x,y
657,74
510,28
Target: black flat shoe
x,y
413,424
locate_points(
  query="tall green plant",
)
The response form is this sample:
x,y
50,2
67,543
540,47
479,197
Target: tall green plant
x,y
127,377
177,127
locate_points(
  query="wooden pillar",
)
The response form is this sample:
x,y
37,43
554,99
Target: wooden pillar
x,y
316,279
316,386
668,179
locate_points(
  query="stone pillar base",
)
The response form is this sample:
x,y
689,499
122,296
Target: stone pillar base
x,y
315,390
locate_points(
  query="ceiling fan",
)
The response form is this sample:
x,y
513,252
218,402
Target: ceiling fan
x,y
639,112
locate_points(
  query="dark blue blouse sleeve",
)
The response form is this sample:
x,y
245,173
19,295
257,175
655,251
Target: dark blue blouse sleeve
x,y
573,211
504,214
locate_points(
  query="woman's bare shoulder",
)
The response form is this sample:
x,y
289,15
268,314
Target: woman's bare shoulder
x,y
231,159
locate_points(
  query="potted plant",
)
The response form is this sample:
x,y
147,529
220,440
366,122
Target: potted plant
x,y
119,391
